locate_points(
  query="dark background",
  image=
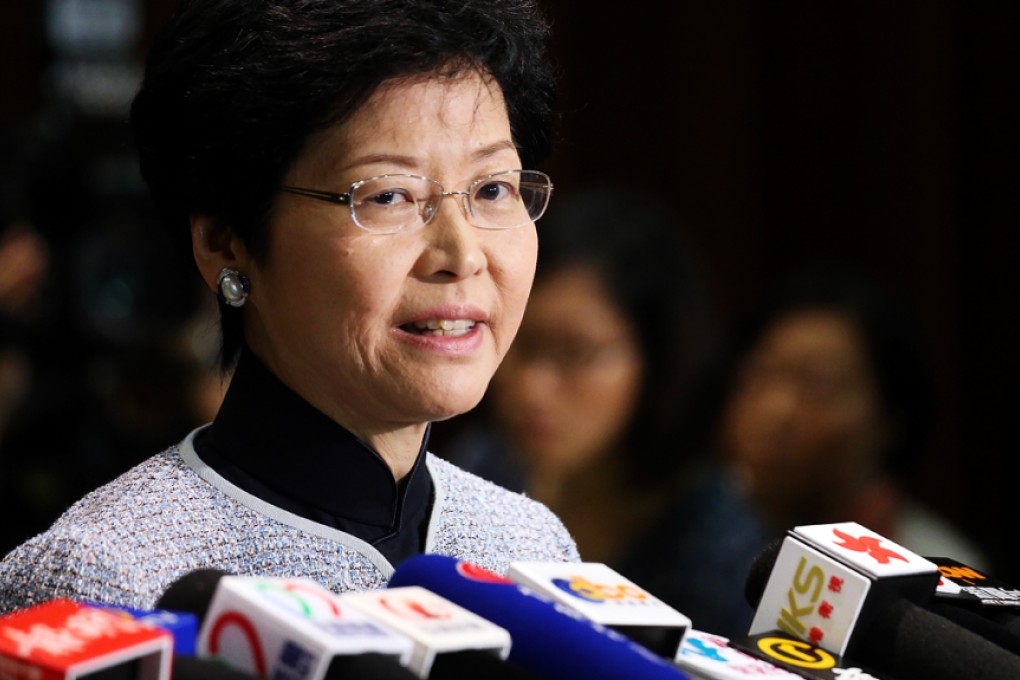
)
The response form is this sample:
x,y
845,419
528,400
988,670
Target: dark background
x,y
880,134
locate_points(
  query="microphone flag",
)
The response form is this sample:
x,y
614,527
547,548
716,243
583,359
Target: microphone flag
x,y
601,594
65,640
830,579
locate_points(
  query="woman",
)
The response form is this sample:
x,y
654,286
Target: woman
x,y
349,176
594,411
827,413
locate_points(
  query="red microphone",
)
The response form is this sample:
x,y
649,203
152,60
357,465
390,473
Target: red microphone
x,y
64,640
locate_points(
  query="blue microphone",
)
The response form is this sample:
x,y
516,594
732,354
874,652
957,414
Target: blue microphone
x,y
547,638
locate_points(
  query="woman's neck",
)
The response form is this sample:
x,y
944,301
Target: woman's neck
x,y
398,447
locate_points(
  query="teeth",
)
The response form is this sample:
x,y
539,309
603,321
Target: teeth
x,y
448,327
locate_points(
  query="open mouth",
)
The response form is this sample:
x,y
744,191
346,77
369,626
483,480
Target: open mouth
x,y
444,327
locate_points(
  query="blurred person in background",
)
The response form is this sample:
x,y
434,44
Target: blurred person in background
x,y
25,269
594,411
100,348
827,409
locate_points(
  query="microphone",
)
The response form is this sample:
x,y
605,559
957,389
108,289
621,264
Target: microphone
x,y
60,639
967,586
849,591
183,626
549,639
286,628
827,577
712,657
601,594
195,668
964,595
978,601
449,641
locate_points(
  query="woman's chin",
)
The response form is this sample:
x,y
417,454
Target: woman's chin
x,y
443,405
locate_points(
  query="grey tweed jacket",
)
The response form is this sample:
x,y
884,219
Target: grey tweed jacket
x,y
128,540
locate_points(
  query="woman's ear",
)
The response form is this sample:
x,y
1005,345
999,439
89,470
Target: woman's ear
x,y
214,247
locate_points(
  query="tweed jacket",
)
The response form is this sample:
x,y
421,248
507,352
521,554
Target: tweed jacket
x,y
129,540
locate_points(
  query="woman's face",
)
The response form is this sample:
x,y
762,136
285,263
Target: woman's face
x,y
336,312
804,422
567,390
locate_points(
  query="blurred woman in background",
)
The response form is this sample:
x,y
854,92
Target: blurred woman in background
x,y
594,410
828,411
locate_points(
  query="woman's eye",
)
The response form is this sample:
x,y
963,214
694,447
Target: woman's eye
x,y
390,197
494,191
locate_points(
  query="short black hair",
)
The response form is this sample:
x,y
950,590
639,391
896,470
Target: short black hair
x,y
233,89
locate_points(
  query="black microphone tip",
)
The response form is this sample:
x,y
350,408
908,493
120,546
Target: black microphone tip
x,y
758,574
192,592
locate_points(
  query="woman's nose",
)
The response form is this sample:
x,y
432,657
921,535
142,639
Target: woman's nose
x,y
453,246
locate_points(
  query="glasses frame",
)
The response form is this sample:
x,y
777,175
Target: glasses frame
x,y
426,215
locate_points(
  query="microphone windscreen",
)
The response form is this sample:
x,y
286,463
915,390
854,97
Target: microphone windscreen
x,y
195,668
909,641
365,666
758,574
192,592
471,664
987,627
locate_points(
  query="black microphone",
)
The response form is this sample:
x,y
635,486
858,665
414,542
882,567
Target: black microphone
x,y
962,586
955,597
195,668
822,572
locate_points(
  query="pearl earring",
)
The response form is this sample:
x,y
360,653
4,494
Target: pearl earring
x,y
233,287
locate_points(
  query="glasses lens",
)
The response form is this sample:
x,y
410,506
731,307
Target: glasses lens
x,y
391,203
509,199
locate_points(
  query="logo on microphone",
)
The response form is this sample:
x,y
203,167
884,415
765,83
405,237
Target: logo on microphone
x,y
476,573
599,593
809,593
304,599
408,607
796,653
868,544
963,573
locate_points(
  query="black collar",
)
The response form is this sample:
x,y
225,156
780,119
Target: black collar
x,y
273,444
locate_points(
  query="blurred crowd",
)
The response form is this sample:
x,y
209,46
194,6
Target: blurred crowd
x,y
101,359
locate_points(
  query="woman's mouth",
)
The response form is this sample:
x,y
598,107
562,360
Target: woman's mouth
x,y
442,327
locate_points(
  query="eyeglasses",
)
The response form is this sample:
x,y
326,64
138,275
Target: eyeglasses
x,y
387,204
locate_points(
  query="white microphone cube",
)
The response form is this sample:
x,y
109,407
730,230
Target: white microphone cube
x,y
599,593
435,625
289,627
829,580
